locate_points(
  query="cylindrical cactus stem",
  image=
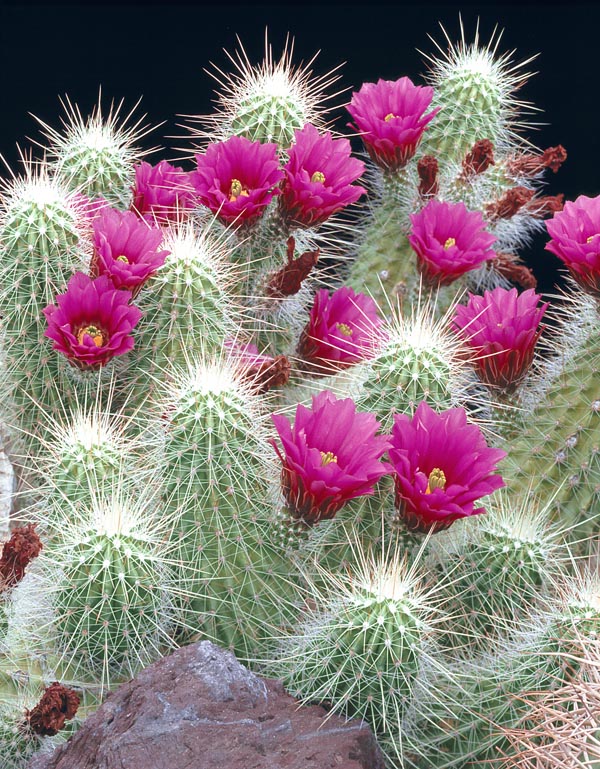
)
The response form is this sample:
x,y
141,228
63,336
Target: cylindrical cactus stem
x,y
558,447
96,155
221,473
360,647
497,567
109,575
462,715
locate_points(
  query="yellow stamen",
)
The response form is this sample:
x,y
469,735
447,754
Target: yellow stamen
x,y
449,243
589,240
344,329
318,176
92,331
327,457
123,259
236,190
436,480
389,117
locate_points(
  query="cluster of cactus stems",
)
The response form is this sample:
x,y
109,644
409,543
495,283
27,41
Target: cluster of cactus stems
x,y
258,398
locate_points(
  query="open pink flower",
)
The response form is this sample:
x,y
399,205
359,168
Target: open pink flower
x,y
93,321
343,329
330,455
390,116
442,466
162,193
449,241
126,248
502,327
319,176
237,179
575,233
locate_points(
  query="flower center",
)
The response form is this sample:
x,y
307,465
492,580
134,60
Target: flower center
x,y
449,243
236,189
318,176
93,332
436,480
344,329
122,258
589,240
389,117
327,457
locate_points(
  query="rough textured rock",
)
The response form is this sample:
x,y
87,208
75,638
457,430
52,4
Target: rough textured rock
x,y
201,709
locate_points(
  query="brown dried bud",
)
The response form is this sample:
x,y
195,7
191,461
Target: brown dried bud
x,y
509,204
288,280
548,205
23,546
270,373
528,164
427,168
512,268
479,159
58,704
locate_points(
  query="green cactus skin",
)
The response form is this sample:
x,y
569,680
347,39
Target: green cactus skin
x,y
360,649
95,156
496,568
40,248
558,448
459,715
268,117
220,471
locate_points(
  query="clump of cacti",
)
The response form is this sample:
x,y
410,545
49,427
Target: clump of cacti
x,y
373,481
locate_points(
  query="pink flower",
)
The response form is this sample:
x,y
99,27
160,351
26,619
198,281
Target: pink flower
x,y
575,233
343,329
330,455
442,465
449,241
390,116
262,372
319,176
162,193
237,179
503,327
126,248
93,321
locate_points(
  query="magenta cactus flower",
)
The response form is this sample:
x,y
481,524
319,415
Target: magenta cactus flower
x,y
442,467
343,329
330,455
319,178
575,233
126,249
390,117
237,179
93,321
163,193
502,327
449,241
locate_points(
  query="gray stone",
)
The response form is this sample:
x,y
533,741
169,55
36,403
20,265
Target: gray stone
x,y
201,709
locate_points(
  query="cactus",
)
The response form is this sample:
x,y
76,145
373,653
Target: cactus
x,y
96,156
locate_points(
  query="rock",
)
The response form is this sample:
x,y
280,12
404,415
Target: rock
x,y
201,709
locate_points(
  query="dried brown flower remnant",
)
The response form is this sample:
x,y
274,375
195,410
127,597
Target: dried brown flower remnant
x,y
509,204
270,373
511,267
23,546
479,158
288,280
547,205
427,168
57,705
529,164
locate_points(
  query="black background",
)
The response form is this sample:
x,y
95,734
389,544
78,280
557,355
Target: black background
x,y
158,51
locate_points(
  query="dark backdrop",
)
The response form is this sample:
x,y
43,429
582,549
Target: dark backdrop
x,y
158,51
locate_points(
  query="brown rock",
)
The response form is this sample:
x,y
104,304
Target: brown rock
x,y
201,709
